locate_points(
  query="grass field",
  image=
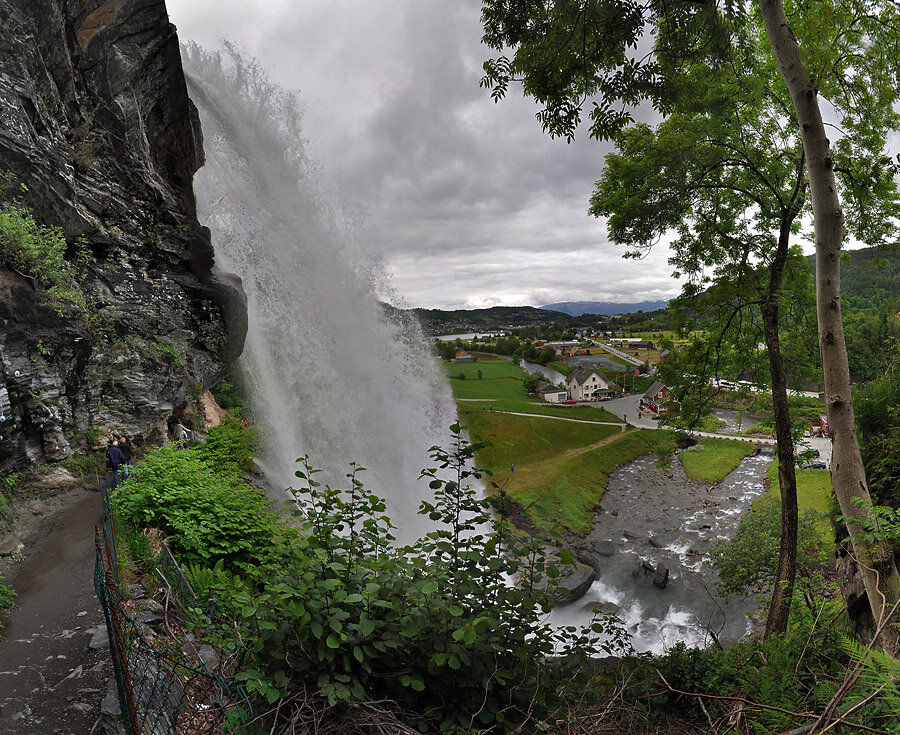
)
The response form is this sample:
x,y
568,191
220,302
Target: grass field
x,y
500,388
568,489
561,467
712,459
814,488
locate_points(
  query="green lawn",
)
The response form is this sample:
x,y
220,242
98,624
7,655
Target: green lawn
x,y
569,489
558,474
561,467
814,488
712,459
500,387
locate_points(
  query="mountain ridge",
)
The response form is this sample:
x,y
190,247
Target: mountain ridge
x,y
603,308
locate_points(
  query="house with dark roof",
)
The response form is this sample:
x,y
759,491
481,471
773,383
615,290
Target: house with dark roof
x,y
656,397
551,393
584,385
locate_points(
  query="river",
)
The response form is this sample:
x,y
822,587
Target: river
x,y
664,518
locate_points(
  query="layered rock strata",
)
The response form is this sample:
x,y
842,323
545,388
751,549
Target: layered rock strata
x,y
99,137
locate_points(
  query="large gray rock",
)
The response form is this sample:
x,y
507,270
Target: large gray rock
x,y
574,581
96,123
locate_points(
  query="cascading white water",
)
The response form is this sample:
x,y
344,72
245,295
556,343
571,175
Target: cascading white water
x,y
329,374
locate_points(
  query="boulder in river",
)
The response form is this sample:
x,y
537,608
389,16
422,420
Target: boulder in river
x,y
659,575
574,581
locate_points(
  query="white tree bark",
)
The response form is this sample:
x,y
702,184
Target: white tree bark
x,y
847,472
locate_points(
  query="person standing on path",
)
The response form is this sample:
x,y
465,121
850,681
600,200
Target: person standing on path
x,y
128,454
114,460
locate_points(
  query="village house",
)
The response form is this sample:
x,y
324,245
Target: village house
x,y
583,385
655,398
820,427
551,393
462,356
632,343
563,348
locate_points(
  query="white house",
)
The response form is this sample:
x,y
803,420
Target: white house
x,y
551,393
583,385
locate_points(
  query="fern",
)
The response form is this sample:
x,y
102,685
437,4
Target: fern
x,y
878,672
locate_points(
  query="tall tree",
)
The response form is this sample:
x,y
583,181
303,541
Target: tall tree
x,y
568,52
873,34
724,171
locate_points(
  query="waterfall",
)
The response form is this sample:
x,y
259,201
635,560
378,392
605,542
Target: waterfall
x,y
329,374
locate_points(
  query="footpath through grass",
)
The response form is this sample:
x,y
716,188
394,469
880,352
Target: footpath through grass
x,y
561,467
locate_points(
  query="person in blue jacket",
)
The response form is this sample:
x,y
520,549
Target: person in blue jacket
x,y
114,461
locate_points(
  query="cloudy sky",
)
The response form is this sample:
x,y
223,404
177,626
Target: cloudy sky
x,y
469,202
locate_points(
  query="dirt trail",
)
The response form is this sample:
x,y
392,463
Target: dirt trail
x,y
578,451
50,680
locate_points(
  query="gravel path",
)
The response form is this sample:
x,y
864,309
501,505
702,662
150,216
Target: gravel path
x,y
51,681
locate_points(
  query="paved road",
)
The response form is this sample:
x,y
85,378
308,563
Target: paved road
x,y
618,353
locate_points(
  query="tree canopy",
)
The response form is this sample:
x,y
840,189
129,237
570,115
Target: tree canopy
x,y
740,152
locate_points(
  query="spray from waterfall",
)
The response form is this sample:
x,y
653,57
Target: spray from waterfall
x,y
329,374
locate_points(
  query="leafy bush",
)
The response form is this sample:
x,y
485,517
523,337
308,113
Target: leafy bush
x,y
7,597
228,395
140,550
91,463
207,513
40,252
215,582
798,672
748,561
434,626
229,446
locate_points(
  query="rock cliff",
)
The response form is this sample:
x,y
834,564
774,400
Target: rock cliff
x,y
99,139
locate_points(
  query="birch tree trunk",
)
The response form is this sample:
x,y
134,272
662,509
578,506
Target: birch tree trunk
x,y
876,561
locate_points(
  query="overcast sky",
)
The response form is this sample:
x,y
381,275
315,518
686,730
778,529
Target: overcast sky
x,y
469,202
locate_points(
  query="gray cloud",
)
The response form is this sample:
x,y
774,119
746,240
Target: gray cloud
x,y
468,201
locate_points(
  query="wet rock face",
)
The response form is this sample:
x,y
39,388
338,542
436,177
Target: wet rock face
x,y
100,139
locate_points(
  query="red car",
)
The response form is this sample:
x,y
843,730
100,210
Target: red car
x,y
570,401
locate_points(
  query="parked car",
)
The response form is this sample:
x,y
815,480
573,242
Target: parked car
x,y
817,464
570,400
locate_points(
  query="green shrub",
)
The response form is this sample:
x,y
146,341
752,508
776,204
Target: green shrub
x,y
215,582
92,463
207,513
433,627
747,563
228,395
140,550
40,252
7,597
229,446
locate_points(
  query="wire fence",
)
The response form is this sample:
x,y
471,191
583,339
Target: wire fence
x,y
160,691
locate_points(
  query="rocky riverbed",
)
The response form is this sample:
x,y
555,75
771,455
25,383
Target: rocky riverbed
x,y
652,522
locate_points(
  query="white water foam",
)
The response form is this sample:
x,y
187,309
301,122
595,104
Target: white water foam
x,y
330,374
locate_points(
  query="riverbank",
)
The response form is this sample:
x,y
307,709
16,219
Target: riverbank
x,y
657,524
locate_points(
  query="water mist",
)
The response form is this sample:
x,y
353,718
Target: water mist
x,y
328,373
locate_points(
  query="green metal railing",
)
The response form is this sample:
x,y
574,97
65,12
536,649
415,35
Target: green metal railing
x,y
160,691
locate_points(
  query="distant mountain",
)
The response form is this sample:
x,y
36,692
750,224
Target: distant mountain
x,y
438,321
577,308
